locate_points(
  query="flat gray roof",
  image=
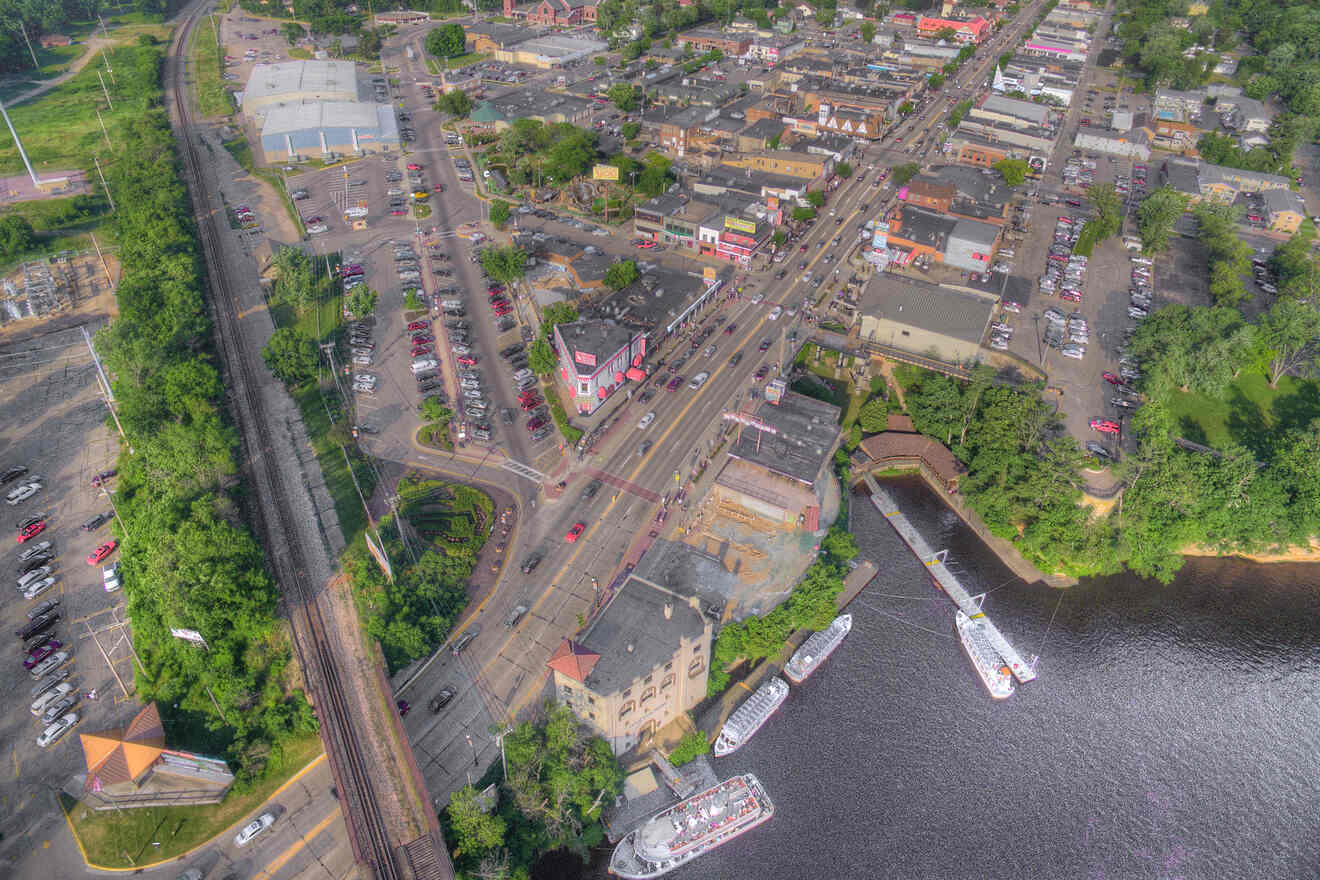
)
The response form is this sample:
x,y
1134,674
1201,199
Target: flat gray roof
x,y
633,636
315,115
929,307
299,80
806,430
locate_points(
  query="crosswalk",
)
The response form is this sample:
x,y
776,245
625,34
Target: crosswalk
x,y
525,471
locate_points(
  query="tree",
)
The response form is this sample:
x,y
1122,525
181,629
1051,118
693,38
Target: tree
x,y
556,313
906,108
475,830
937,80
1108,210
874,415
360,301
621,274
903,173
840,545
290,355
504,264
541,358
447,41
779,237
294,282
16,236
412,302
844,170
1156,218
630,130
293,32
816,198
1289,333
868,31
1013,171
946,33
499,213
456,103
624,96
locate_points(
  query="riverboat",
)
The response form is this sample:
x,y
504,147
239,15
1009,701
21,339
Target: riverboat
x,y
995,674
816,649
748,718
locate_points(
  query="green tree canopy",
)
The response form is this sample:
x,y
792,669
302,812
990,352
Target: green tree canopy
x,y
475,830
874,415
293,31
624,96
456,103
1156,217
541,357
499,212
291,355
361,301
1013,171
16,236
903,173
816,198
844,170
868,31
620,274
557,313
504,264
446,41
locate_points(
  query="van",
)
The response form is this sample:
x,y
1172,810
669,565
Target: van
x,y
423,365
524,384
523,374
451,304
355,212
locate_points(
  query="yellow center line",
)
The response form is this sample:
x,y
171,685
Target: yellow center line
x,y
283,858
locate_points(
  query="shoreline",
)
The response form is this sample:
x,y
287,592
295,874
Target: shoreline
x,y
1310,553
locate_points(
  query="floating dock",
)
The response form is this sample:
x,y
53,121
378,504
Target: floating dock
x,y
1022,670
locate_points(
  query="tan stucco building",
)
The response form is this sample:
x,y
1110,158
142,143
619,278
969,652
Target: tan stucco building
x,y
639,665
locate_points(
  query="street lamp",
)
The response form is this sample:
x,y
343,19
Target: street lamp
x,y
468,736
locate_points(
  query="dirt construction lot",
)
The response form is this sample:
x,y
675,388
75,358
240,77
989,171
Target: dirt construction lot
x,y
56,426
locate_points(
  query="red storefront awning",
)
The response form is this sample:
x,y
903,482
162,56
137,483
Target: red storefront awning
x,y
602,393
635,374
637,360
618,378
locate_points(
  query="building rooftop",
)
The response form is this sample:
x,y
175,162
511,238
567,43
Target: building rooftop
x,y
301,80
929,228
1278,200
927,307
532,102
560,46
1037,114
806,431
764,129
633,635
976,232
592,341
655,300
1181,175
291,118
503,35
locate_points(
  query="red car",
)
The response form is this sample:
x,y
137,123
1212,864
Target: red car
x,y
575,533
1112,379
31,530
422,338
674,384
527,395
467,360
41,652
413,166
1105,426
419,350
501,312
439,187
533,424
419,325
762,373
97,556
495,288
531,404
103,477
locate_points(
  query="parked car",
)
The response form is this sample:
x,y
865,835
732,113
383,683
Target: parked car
x,y
55,731
100,553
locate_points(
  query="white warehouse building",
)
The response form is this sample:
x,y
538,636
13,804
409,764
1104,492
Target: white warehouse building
x,y
321,129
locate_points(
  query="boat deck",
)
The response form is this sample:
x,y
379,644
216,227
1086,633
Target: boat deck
x,y
884,503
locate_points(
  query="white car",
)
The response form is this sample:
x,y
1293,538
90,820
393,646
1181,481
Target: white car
x,y
59,692
698,380
423,365
36,574
646,421
775,313
1076,352
34,590
355,211
58,729
253,828
23,492
34,550
365,378
110,577
317,229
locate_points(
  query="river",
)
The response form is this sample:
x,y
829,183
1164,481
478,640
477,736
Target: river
x,y
1172,732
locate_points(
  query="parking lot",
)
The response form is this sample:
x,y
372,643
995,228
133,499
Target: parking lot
x,y
56,427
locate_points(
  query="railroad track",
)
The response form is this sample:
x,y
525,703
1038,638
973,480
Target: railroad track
x,y
311,637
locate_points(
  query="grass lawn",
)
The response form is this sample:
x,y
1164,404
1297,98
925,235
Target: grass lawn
x,y
114,839
213,99
60,130
1249,413
841,392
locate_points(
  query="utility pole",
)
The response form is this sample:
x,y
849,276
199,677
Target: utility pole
x,y
108,143
36,64
105,387
108,69
105,90
108,280
111,498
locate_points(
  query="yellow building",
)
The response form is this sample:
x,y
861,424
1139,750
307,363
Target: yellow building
x,y
639,665
805,166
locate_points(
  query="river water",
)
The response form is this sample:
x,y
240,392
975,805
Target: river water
x,y
1172,732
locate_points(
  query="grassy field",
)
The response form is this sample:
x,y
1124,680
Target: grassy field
x,y
60,129
1250,413
123,839
213,99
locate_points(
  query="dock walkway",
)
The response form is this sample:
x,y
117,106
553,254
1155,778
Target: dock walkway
x,y
1022,670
